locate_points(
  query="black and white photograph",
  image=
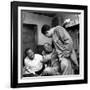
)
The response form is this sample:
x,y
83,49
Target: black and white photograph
x,y
50,44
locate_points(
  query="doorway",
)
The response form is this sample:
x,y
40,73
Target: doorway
x,y
29,36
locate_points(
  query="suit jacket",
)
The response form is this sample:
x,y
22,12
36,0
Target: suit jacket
x,y
63,42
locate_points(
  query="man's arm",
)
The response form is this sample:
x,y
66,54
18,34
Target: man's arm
x,y
65,39
27,66
46,58
30,71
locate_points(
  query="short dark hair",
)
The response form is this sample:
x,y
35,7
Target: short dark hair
x,y
45,28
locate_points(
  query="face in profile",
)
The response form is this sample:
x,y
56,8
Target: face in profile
x,y
48,47
30,54
48,34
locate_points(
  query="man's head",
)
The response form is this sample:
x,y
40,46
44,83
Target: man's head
x,y
48,48
30,54
46,30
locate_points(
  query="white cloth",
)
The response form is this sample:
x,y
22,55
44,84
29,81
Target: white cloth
x,y
35,64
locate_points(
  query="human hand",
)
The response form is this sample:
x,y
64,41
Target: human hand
x,y
65,54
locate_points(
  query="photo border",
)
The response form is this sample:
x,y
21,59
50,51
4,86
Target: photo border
x,y
14,43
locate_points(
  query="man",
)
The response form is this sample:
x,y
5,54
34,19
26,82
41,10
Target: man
x,y
33,63
63,45
51,60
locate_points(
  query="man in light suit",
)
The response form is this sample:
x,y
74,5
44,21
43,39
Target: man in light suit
x,y
63,45
50,60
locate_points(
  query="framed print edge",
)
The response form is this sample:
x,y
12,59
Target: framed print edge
x,y
14,48
14,44
86,44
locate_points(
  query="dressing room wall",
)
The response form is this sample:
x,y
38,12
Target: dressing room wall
x,y
39,20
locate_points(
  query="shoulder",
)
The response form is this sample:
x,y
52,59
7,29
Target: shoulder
x,y
26,60
38,55
59,29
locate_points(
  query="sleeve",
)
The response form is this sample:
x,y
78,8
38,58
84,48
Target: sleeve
x,y
27,66
41,58
25,62
65,38
68,42
46,58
